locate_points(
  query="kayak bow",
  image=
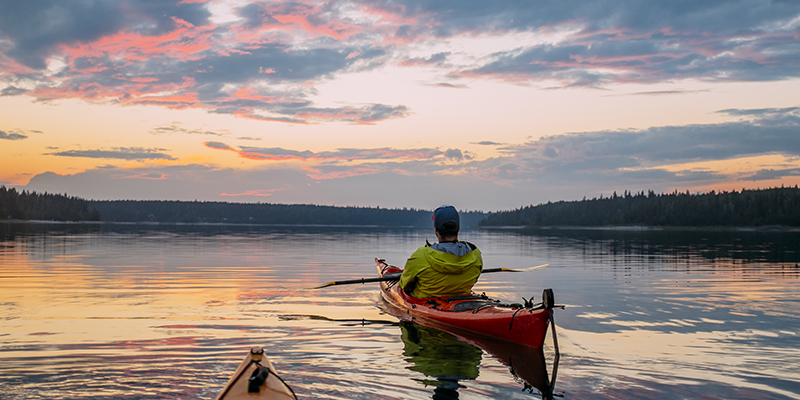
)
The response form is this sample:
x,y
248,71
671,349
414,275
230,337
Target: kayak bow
x,y
256,379
525,324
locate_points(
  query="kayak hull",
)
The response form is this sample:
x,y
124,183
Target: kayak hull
x,y
270,387
475,313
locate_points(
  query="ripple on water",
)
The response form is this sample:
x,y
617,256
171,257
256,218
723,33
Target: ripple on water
x,y
169,314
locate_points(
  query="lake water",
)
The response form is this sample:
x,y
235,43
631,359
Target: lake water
x,y
139,312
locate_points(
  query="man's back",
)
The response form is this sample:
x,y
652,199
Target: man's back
x,y
434,273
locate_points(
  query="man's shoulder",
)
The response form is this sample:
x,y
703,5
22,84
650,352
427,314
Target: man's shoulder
x,y
421,251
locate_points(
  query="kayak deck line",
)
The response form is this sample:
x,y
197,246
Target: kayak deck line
x,y
255,378
525,324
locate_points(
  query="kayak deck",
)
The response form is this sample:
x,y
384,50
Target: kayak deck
x,y
256,379
517,323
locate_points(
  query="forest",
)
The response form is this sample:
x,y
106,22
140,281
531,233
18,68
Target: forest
x,y
775,206
265,213
27,205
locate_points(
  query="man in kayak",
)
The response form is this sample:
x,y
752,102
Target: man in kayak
x,y
447,268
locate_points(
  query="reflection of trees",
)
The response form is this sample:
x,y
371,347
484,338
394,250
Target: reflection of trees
x,y
680,247
449,359
439,355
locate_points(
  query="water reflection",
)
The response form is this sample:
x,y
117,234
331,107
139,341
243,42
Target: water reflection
x,y
450,359
743,246
439,355
140,312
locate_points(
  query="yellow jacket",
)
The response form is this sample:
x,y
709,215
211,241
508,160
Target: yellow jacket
x,y
434,273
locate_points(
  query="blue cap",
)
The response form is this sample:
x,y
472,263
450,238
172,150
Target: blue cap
x,y
446,215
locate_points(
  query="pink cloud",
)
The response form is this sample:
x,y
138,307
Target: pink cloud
x,y
184,43
279,154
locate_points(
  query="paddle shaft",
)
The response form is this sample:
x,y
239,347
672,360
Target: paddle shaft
x,y
388,277
395,276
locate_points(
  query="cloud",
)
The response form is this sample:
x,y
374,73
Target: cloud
x,y
642,156
357,115
345,154
281,185
453,154
39,28
170,54
589,161
593,43
664,93
12,135
487,143
768,133
569,166
265,60
146,175
763,113
341,172
218,146
438,59
11,91
176,129
120,153
771,174
256,193
275,153
448,85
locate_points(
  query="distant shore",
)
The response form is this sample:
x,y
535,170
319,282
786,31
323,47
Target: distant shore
x,y
635,228
152,223
630,228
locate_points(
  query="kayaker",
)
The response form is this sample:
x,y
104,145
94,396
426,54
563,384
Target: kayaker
x,y
447,268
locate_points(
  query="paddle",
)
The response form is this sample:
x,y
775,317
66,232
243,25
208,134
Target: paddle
x,y
395,276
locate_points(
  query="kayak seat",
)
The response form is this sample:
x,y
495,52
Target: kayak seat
x,y
465,297
471,305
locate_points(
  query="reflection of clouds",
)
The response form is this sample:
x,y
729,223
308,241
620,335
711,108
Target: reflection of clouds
x,y
596,315
673,358
206,289
644,324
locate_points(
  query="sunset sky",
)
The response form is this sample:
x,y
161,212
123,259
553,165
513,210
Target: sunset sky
x,y
486,105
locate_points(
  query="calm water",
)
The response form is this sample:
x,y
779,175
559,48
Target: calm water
x,y
168,312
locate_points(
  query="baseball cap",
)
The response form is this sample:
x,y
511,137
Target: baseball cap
x,y
445,218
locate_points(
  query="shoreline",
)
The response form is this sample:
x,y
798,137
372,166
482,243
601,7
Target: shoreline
x,y
151,223
619,228
641,228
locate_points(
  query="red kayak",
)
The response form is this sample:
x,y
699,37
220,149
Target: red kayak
x,y
524,324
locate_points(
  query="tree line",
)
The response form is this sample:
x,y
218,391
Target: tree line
x,y
29,205
775,206
266,213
